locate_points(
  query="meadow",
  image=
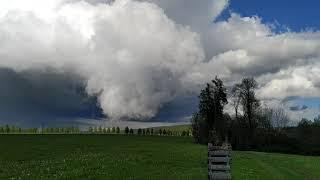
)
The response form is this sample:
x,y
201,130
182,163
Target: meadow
x,y
135,157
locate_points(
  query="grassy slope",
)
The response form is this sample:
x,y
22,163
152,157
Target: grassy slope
x,y
134,157
257,165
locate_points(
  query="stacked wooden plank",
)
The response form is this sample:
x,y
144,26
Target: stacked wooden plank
x,y
219,161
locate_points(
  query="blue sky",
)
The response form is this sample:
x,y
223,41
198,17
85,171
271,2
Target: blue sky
x,y
295,14
165,74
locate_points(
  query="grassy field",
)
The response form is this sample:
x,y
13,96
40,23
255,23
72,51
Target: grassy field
x,y
257,165
133,157
178,128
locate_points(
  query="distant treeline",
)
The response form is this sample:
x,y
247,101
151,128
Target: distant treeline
x,y
251,126
18,130
140,131
303,139
94,130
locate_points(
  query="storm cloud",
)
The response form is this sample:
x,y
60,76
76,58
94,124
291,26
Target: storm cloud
x,y
137,57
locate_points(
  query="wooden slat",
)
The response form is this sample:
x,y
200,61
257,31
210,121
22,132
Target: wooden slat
x,y
219,175
219,159
219,153
219,167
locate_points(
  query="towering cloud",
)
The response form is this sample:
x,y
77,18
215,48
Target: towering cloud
x,y
129,53
137,55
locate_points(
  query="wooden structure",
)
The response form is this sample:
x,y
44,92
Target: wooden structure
x,y
219,162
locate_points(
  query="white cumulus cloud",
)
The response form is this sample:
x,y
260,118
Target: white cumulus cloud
x,y
138,55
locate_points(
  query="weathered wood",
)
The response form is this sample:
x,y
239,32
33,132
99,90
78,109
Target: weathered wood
x,y
212,147
219,176
219,167
224,147
219,153
219,159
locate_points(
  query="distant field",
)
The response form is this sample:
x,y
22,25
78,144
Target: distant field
x,y
178,128
135,157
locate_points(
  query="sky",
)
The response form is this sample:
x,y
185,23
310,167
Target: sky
x,y
143,62
293,14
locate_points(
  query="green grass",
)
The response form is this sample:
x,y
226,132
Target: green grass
x,y
100,157
257,165
178,128
133,157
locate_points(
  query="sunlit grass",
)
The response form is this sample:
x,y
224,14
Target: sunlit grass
x,y
135,157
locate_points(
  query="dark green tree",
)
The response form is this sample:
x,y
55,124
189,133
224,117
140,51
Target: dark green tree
x,y
126,130
250,104
184,133
139,131
95,130
164,132
316,121
209,121
7,129
2,129
118,130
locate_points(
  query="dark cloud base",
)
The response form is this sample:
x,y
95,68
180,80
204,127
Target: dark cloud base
x,y
30,98
47,98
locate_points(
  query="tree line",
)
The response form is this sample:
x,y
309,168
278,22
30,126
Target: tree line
x,y
251,126
139,131
6,129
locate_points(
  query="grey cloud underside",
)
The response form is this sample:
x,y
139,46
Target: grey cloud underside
x,y
298,108
140,57
31,98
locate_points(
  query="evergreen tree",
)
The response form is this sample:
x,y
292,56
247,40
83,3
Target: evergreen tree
x,y
164,132
7,129
184,133
126,130
118,130
139,131
210,118
90,130
95,129
100,129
